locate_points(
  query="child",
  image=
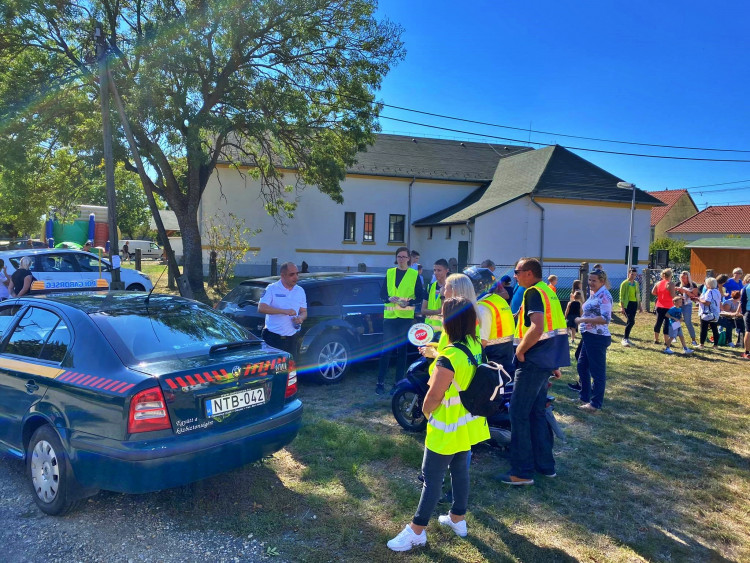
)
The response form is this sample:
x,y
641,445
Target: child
x,y
674,318
572,311
552,282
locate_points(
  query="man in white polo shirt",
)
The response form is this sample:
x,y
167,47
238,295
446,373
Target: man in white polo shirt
x,y
284,304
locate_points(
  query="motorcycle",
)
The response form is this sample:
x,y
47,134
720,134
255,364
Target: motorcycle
x,y
410,392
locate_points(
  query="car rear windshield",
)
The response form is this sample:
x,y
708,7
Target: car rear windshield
x,y
167,331
246,292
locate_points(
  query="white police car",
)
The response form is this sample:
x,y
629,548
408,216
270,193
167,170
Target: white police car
x,y
58,269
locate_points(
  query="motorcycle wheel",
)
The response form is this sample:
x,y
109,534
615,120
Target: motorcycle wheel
x,y
407,409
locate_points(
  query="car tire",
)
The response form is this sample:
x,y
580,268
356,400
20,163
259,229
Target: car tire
x,y
329,359
135,287
407,410
48,472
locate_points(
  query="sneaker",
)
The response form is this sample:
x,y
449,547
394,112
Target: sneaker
x,y
458,527
547,475
746,356
574,386
625,342
732,345
687,351
447,498
668,351
407,539
695,344
588,407
380,389
509,479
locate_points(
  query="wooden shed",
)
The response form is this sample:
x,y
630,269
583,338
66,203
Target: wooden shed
x,y
722,255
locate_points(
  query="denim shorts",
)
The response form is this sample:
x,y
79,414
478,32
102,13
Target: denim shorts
x,y
675,329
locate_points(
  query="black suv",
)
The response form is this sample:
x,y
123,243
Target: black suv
x,y
344,319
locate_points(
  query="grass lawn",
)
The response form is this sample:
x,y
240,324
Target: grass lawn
x,y
661,474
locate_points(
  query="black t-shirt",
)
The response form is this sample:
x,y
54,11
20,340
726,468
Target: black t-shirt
x,y
18,277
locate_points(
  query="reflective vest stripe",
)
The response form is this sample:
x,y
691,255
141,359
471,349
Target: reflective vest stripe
x,y
498,320
502,340
451,401
547,311
448,428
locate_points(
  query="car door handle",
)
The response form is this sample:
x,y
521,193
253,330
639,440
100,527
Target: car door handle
x,y
31,386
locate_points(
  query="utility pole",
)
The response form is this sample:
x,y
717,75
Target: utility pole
x,y
109,169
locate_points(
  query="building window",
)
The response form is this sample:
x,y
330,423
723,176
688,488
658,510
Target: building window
x,y
429,233
350,221
396,228
369,232
635,255
449,232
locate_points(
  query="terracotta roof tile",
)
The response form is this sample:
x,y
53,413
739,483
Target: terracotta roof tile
x,y
669,197
730,219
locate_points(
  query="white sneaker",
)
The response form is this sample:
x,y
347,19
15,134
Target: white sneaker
x,y
695,343
407,539
458,527
625,342
687,351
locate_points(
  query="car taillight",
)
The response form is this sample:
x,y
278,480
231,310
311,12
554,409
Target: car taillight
x,y
291,380
148,412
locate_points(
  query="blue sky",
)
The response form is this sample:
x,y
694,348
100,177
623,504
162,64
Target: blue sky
x,y
664,72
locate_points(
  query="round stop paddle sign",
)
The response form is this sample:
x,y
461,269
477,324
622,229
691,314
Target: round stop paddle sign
x,y
421,334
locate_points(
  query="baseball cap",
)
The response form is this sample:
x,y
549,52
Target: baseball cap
x,y
505,279
634,270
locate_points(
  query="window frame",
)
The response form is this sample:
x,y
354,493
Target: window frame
x,y
350,216
371,232
391,230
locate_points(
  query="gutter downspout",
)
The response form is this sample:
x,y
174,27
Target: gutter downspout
x,y
471,243
408,218
541,231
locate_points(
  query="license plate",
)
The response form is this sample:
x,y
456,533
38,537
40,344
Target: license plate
x,y
235,401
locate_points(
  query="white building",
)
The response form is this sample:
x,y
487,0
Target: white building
x,y
447,199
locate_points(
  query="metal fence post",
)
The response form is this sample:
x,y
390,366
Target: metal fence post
x,y
138,259
583,275
274,266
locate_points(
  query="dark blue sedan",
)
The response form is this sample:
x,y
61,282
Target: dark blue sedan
x,y
134,393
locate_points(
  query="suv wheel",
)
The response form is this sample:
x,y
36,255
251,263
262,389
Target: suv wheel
x,y
330,358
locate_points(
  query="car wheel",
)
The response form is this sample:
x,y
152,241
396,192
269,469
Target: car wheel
x,y
48,472
330,359
135,287
407,409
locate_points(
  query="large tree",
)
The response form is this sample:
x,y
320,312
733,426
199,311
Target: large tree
x,y
271,83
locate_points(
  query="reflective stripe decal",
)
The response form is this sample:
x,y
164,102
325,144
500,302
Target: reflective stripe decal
x,y
448,428
51,285
545,335
31,368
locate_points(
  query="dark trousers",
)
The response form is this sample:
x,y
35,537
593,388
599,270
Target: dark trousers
x,y
530,436
592,365
630,310
395,332
714,329
286,343
661,314
433,470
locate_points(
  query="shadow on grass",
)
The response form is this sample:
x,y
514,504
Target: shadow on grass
x,y
520,548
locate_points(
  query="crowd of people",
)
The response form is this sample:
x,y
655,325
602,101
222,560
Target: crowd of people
x,y
475,318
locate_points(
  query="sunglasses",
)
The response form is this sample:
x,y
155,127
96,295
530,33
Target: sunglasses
x,y
516,272
402,257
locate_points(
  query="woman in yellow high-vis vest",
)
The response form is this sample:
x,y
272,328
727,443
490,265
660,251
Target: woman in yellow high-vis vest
x,y
401,292
451,429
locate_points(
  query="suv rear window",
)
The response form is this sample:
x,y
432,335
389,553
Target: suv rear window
x,y
246,292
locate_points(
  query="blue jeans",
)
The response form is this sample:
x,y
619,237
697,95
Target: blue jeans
x,y
433,470
592,365
530,436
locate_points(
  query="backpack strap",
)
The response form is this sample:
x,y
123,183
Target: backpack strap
x,y
468,354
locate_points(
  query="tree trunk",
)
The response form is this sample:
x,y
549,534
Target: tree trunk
x,y
192,253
